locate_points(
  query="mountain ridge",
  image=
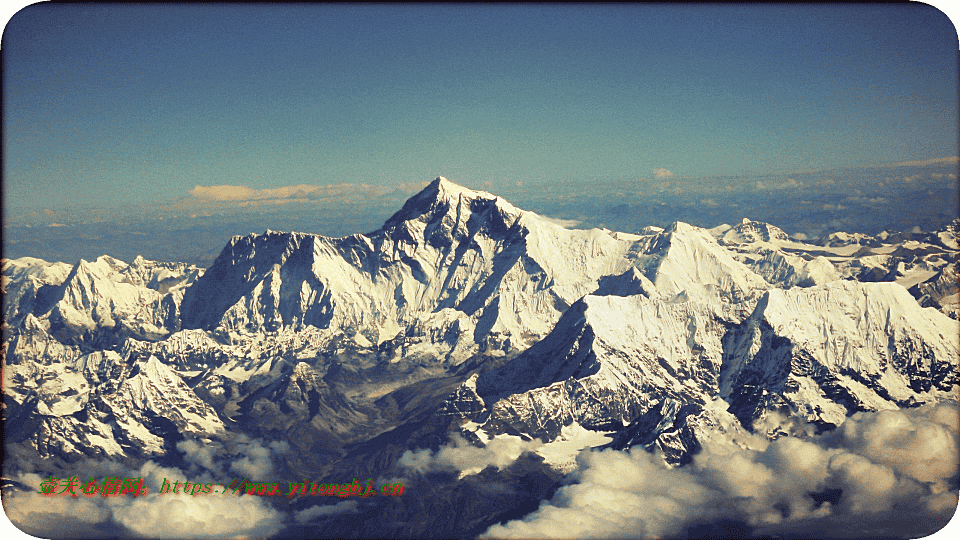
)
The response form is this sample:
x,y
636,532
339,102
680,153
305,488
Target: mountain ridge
x,y
466,323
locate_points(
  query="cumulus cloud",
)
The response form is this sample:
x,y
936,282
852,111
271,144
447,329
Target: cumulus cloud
x,y
197,517
867,200
662,174
148,516
786,183
200,516
899,463
242,456
55,517
461,456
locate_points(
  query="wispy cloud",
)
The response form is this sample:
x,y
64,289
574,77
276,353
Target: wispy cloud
x,y
565,223
953,160
302,192
344,507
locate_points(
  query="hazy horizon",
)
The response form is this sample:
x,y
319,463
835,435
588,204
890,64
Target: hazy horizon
x,y
167,129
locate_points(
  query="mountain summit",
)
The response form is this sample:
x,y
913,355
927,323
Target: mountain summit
x,y
508,271
462,337
441,195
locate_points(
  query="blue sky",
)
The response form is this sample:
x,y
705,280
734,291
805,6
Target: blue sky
x,y
214,120
141,103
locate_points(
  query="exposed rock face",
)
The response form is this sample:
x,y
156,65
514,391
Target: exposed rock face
x,y
832,350
465,313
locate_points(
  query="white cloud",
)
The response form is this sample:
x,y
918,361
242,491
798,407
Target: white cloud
x,y
952,160
868,200
255,464
154,515
197,516
891,463
463,457
55,516
344,507
662,174
300,192
244,456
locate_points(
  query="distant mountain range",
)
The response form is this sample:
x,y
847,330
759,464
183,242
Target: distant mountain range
x,y
467,319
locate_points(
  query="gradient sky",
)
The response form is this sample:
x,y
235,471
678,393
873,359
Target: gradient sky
x,y
128,103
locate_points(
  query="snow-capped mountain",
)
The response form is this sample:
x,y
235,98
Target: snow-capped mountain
x,y
924,263
609,361
828,351
96,303
508,270
466,316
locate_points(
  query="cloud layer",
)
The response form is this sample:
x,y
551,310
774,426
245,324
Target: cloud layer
x,y
892,473
149,516
154,515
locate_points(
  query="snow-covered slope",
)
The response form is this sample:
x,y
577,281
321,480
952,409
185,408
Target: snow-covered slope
x,y
686,263
609,361
465,311
22,280
924,263
97,303
99,405
768,251
677,371
831,350
511,272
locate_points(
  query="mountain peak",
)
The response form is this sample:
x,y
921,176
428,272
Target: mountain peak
x,y
444,189
441,194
